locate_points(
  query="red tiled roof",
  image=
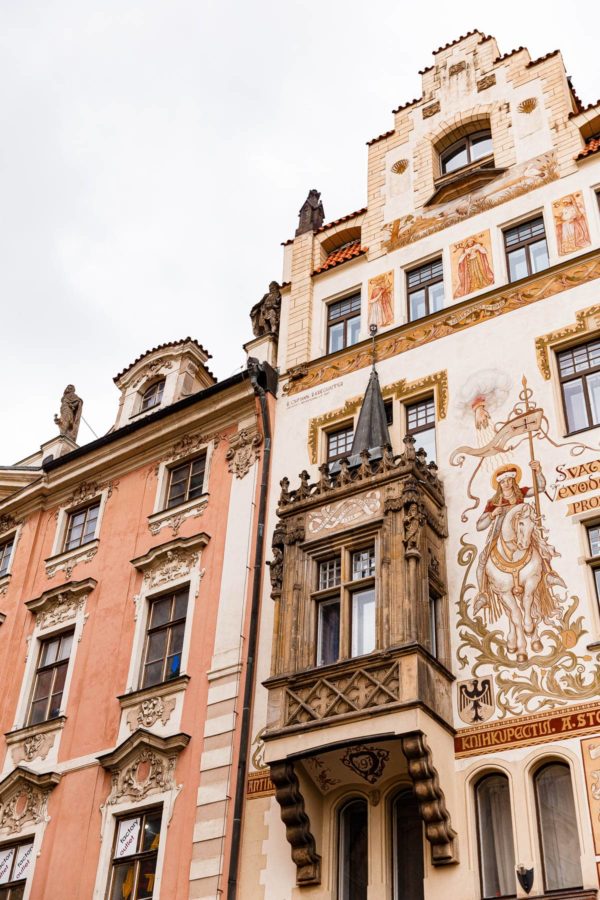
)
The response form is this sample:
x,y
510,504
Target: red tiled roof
x,y
541,59
341,255
509,54
164,346
484,37
380,138
584,109
591,147
406,105
339,221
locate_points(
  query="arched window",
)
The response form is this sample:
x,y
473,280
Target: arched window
x,y
465,151
353,866
152,396
557,827
407,850
495,837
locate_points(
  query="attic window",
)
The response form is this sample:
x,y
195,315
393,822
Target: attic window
x,y
465,151
152,396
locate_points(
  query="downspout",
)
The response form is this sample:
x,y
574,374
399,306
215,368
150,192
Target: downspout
x,y
257,374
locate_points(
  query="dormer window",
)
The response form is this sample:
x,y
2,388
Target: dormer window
x,y
152,396
465,151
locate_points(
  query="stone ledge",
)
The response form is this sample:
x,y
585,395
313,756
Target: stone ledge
x,y
175,516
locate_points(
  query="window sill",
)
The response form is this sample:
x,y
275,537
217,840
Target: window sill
x,y
67,560
463,181
34,741
150,705
174,516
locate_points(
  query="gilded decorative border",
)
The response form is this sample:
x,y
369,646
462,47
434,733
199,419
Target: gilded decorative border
x,y
586,321
399,390
449,321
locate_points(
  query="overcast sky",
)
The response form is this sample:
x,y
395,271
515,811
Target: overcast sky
x,y
155,153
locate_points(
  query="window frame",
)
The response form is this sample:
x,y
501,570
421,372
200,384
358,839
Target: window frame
x,y
180,464
167,626
20,882
7,557
338,430
96,503
424,285
347,317
396,796
345,591
158,386
476,784
341,868
412,403
535,774
466,141
593,559
139,856
41,668
524,244
576,375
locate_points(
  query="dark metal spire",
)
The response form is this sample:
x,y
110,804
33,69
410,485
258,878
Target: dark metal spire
x,y
371,430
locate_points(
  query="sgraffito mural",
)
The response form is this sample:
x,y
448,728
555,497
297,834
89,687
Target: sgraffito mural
x,y
570,222
381,300
471,261
519,626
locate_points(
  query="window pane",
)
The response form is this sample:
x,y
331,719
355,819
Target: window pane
x,y
127,837
353,330
60,674
408,849
436,297
38,711
539,256
5,552
426,440
418,307
593,387
7,855
161,612
363,622
353,851
496,847
329,573
123,880
336,337
176,642
151,834
339,443
363,563
66,643
328,638
517,264
575,405
597,581
146,879
50,651
481,146
455,160
558,828
594,539
43,685
157,645
153,673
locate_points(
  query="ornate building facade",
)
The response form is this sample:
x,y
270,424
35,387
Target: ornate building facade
x,y
128,568
427,711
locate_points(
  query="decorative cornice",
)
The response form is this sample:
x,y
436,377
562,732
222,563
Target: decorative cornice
x,y
143,764
191,443
175,517
87,491
452,320
586,321
399,390
23,799
171,561
60,604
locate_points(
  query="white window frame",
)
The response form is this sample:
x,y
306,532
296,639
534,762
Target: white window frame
x,y
36,834
15,534
164,471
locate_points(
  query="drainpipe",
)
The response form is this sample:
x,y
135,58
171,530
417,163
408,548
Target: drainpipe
x,y
261,376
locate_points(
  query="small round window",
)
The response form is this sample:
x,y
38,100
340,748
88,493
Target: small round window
x,y
466,151
152,396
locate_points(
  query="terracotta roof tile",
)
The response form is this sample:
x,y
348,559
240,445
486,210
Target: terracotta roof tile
x,y
541,59
484,37
341,255
584,109
164,346
339,221
509,54
591,147
406,105
380,137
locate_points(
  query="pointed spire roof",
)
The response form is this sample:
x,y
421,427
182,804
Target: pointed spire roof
x,y
371,430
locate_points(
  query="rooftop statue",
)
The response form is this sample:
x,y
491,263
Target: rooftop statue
x,y
265,314
70,413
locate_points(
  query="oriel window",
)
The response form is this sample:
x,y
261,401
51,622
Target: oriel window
x,y
81,526
135,852
50,676
579,372
526,249
16,863
186,482
420,423
425,288
346,605
164,640
6,548
343,323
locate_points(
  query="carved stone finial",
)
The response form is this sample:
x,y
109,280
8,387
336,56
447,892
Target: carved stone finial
x,y
312,214
387,458
345,475
324,482
364,470
284,497
409,447
304,489
70,413
266,313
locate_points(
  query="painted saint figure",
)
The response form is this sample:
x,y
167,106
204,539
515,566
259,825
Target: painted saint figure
x,y
381,307
474,270
514,572
571,225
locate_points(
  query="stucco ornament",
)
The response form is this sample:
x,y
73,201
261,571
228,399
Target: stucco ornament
x,y
243,451
516,618
23,799
177,563
8,523
150,772
62,608
150,711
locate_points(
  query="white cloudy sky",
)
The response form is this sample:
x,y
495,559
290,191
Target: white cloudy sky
x,y
155,153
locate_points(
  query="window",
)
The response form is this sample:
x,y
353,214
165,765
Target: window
x,y
343,323
433,624
420,422
353,851
593,535
425,287
339,443
495,837
389,411
81,526
407,850
579,372
164,641
467,150
346,594
557,827
134,856
5,554
152,396
526,249
186,482
50,675
16,861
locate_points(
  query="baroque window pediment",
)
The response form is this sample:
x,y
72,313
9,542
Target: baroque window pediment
x,y
142,765
24,798
171,561
60,604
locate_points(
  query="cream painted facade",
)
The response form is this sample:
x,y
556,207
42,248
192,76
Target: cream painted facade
x,y
489,359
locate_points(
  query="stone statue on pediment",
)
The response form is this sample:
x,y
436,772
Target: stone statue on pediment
x,y
265,314
70,413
